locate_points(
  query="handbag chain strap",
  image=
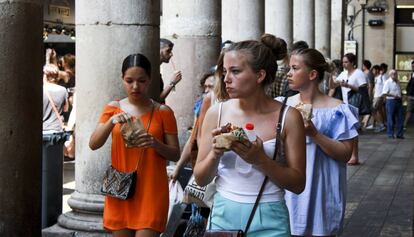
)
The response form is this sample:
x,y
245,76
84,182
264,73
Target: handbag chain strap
x,y
147,129
277,151
54,109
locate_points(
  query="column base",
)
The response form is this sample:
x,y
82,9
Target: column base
x,y
84,220
59,231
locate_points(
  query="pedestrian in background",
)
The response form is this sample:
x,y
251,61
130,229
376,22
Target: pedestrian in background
x,y
352,81
410,96
393,105
166,47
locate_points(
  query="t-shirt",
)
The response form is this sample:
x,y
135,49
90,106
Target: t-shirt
x,y
392,87
379,84
410,86
59,96
357,78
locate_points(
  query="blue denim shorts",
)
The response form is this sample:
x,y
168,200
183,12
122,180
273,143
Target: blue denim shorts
x,y
270,220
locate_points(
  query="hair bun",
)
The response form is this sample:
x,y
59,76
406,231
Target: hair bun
x,y
277,45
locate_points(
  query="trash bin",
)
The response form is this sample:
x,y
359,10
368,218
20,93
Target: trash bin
x,y
52,176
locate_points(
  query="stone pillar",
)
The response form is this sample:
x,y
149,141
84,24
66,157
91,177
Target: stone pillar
x,y
21,62
105,35
337,29
279,19
323,27
194,27
242,19
304,21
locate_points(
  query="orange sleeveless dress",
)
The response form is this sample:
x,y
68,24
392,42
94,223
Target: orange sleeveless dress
x,y
148,207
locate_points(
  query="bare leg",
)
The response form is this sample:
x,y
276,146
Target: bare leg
x,y
123,233
407,118
365,120
354,158
147,233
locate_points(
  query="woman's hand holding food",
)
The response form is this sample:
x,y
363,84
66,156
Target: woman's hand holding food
x,y
121,118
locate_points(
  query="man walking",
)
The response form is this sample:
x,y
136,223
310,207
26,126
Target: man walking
x,y
166,47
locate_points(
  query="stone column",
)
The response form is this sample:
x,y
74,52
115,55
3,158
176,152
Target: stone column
x,y
279,19
337,28
242,19
304,21
323,27
194,27
21,62
105,35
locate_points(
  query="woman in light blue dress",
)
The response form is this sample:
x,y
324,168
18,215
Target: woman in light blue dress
x,y
320,209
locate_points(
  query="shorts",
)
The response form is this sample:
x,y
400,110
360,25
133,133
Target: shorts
x,y
271,219
377,103
410,105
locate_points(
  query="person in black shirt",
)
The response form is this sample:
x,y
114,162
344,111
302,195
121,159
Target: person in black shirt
x,y
410,96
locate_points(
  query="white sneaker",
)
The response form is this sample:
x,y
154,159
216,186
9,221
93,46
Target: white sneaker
x,y
370,127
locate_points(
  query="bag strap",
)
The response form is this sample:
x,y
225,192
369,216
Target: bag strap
x,y
54,108
219,115
277,150
147,129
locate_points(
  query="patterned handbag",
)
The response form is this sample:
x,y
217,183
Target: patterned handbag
x,y
120,184
277,153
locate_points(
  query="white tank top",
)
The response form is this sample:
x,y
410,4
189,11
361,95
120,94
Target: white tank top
x,y
244,187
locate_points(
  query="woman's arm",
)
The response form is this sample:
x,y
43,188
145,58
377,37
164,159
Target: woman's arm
x,y
102,131
184,159
176,77
205,105
292,176
208,157
168,150
338,150
100,135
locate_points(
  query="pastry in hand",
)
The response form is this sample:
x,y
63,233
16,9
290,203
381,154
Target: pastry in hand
x,y
305,110
130,132
229,134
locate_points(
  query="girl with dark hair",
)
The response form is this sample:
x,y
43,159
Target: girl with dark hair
x,y
353,81
319,210
145,213
248,66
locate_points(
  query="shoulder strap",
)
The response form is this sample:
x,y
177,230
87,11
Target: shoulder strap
x,y
54,108
278,130
219,115
147,129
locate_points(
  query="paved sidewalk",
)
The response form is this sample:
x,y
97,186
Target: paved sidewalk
x,y
380,190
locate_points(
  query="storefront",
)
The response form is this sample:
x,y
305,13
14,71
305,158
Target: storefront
x,y
404,43
59,30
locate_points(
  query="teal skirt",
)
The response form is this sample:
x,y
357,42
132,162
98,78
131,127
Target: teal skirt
x,y
270,220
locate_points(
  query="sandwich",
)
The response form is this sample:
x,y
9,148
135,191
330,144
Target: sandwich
x,y
130,132
305,110
229,134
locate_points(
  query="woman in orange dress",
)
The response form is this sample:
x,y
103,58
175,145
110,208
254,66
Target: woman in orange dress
x,y
145,213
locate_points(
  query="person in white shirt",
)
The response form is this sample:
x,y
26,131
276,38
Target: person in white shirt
x,y
378,108
353,80
392,93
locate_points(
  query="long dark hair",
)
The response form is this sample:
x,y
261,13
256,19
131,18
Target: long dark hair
x,y
136,60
